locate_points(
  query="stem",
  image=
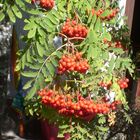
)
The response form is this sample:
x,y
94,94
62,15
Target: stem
x,y
71,122
69,39
63,35
74,81
79,38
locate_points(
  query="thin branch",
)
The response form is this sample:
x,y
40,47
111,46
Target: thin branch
x,y
63,35
78,38
48,59
73,81
72,38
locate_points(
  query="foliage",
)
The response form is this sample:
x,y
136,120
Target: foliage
x,y
45,45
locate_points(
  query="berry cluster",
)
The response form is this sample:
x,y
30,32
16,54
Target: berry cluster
x,y
77,106
108,17
46,4
116,44
105,85
98,13
73,29
123,83
73,62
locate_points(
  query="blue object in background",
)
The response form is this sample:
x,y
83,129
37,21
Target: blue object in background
x,y
18,100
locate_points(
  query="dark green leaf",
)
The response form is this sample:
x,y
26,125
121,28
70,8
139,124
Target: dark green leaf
x,y
40,49
11,15
31,93
54,61
29,74
50,68
2,16
28,84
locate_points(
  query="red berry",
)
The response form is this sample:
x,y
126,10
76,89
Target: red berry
x,y
47,4
72,29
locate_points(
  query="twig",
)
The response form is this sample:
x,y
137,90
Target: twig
x,y
48,59
78,38
63,35
74,81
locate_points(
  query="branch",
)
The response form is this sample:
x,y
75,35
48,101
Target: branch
x,y
78,38
48,59
74,81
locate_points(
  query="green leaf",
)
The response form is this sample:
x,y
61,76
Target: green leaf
x,y
26,21
32,33
11,15
56,13
40,49
93,51
41,81
48,79
20,3
105,13
111,64
31,93
35,66
107,36
93,21
92,37
103,129
97,25
16,11
82,130
28,84
28,56
45,72
50,68
107,3
31,111
29,74
2,16
58,54
102,120
97,52
23,61
63,126
60,136
54,61
52,18
117,64
90,18
49,24
18,66
35,12
41,32
29,26
28,1
90,52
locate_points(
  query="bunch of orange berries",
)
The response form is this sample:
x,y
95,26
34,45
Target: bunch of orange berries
x,y
73,62
77,106
99,13
123,83
46,4
73,29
